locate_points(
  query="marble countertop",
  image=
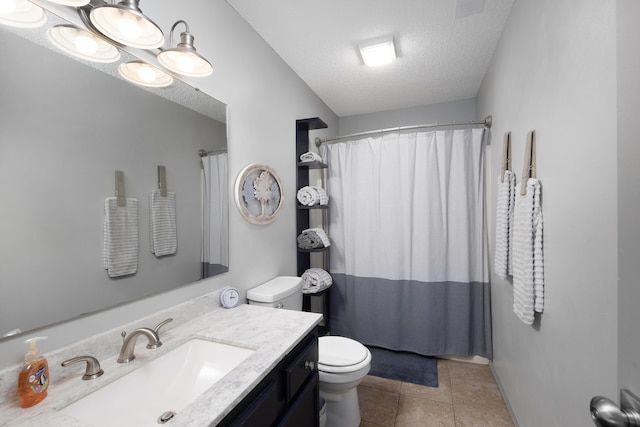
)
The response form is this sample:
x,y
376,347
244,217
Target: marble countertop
x,y
272,333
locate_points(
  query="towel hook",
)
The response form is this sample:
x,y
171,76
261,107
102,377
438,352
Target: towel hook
x,y
506,155
120,194
162,180
529,166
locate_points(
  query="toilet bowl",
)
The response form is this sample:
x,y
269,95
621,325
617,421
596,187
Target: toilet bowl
x,y
342,365
342,362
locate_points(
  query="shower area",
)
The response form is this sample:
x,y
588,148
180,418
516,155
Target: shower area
x,y
215,213
408,253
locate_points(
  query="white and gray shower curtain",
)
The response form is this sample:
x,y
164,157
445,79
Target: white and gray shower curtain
x,y
408,253
215,215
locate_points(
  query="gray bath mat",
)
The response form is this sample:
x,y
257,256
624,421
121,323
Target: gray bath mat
x,y
404,366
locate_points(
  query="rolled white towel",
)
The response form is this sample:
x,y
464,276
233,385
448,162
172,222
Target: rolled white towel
x,y
315,280
309,157
308,196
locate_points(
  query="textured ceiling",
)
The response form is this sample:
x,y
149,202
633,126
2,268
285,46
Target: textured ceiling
x,y
444,47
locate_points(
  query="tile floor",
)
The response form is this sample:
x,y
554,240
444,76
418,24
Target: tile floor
x,y
467,395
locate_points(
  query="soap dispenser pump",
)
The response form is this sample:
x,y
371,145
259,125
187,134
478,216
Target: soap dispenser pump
x,y
33,380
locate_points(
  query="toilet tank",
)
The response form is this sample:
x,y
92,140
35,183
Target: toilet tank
x,y
279,292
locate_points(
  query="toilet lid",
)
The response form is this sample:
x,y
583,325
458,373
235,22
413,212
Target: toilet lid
x,y
340,351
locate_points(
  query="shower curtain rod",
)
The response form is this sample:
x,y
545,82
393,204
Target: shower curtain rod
x,y
486,123
204,153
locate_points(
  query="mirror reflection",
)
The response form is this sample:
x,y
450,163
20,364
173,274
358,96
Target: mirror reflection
x,y
66,128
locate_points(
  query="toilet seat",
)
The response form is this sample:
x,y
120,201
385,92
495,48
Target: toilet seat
x,y
341,354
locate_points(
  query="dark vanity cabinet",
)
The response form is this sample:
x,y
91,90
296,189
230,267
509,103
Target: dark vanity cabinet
x,y
287,397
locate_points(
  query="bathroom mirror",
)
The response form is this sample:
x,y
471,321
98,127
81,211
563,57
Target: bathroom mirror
x,y
65,128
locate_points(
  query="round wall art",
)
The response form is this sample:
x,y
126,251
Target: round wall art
x,y
258,194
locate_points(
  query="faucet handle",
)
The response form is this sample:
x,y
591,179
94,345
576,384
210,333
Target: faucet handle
x,y
161,324
92,370
156,330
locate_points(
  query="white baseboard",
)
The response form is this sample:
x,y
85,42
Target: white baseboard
x,y
469,359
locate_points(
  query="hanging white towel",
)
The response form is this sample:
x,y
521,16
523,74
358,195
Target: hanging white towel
x,y
163,234
315,280
120,252
504,225
528,262
309,157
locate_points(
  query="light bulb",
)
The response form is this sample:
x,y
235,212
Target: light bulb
x,y
85,44
129,28
146,74
185,63
7,6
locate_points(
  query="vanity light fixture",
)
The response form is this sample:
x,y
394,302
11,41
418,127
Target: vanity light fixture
x,y
125,23
83,44
183,59
21,13
72,3
141,73
378,52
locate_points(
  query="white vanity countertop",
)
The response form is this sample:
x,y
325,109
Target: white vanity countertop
x,y
272,333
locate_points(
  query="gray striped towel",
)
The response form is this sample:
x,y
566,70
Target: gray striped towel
x,y
315,280
120,251
313,238
163,234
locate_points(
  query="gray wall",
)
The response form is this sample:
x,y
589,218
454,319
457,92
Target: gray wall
x,y
463,110
628,195
264,98
555,71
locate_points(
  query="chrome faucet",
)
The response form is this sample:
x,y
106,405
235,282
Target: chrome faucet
x,y
129,343
92,370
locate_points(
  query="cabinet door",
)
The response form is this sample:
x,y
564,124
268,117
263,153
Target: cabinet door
x,y
304,410
298,370
262,411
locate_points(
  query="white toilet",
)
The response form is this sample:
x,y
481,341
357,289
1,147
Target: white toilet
x,y
342,362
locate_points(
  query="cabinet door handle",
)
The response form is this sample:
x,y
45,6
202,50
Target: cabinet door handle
x,y
309,365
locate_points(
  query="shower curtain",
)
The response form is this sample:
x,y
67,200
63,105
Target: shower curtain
x,y
408,253
215,215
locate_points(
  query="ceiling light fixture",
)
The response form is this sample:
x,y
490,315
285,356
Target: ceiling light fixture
x,y
83,44
183,59
21,13
378,52
141,73
126,24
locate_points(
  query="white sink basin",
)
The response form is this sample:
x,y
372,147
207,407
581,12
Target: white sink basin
x,y
168,383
